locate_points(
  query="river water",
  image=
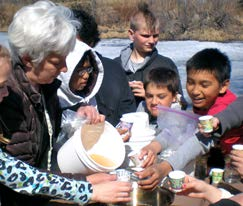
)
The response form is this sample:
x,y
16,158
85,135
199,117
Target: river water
x,y
179,52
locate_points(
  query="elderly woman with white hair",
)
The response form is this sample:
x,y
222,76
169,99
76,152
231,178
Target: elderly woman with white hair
x,y
40,37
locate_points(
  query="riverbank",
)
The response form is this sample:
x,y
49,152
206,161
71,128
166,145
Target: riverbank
x,y
179,20
198,35
208,34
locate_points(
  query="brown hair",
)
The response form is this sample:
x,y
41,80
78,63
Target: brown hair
x,y
163,77
143,12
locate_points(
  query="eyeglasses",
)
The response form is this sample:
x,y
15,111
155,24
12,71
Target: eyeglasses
x,y
88,70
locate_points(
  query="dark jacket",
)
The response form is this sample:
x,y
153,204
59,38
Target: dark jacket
x,y
22,112
23,122
114,97
156,60
231,117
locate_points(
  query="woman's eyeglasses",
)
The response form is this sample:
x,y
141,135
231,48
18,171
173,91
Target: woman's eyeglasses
x,y
84,70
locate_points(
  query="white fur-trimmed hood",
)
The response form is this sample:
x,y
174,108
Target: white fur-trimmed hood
x,y
66,96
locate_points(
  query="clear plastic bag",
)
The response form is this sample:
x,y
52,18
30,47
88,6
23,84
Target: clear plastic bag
x,y
176,126
70,123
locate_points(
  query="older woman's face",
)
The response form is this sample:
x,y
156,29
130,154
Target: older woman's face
x,y
47,70
5,68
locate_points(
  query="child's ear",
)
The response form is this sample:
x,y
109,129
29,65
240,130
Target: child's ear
x,y
130,34
224,86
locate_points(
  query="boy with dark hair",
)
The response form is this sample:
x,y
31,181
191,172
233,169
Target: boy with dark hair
x,y
208,77
161,88
88,33
208,80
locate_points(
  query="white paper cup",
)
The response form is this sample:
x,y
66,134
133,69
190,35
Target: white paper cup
x,y
177,178
134,157
237,147
207,123
217,175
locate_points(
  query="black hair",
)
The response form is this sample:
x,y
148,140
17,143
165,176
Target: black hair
x,y
163,77
88,31
211,60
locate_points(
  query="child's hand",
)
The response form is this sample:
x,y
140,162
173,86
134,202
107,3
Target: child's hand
x,y
216,124
200,189
137,88
151,151
236,157
149,157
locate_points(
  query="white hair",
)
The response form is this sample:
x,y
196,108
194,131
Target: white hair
x,y
40,29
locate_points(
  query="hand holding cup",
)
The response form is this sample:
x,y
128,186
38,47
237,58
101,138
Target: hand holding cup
x,y
137,88
236,156
177,178
134,156
206,123
215,125
124,129
123,175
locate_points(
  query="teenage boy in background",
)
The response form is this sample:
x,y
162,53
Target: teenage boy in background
x,y
139,57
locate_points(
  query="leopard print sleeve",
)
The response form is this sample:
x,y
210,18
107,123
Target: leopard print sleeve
x,y
23,178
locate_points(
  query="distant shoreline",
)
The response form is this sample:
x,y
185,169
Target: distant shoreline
x,y
179,20
107,36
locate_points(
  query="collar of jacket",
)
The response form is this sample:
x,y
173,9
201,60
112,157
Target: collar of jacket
x,y
32,94
127,52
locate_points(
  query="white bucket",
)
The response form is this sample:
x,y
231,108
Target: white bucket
x,y
73,158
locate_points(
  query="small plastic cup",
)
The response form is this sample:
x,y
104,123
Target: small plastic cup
x,y
134,157
124,128
123,175
207,123
177,178
217,175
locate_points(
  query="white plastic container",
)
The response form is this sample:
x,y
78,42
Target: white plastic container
x,y
141,133
140,122
73,158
